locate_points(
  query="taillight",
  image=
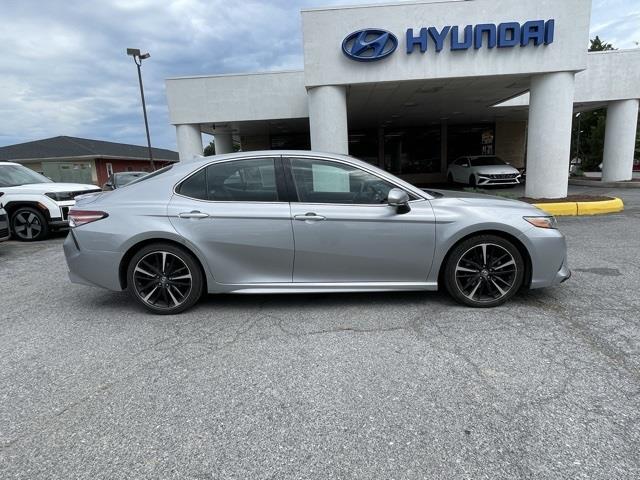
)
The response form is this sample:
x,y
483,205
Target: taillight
x,y
82,217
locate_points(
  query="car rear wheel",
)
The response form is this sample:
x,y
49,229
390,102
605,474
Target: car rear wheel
x,y
29,225
164,279
484,271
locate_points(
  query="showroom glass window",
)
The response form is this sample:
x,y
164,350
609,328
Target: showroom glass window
x,y
322,181
237,181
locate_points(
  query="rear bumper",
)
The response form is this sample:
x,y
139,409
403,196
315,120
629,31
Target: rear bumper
x,y
91,267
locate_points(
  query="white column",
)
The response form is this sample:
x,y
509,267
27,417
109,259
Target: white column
x,y
328,119
223,142
189,141
620,140
549,139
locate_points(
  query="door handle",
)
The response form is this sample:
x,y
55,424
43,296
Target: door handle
x,y
193,214
310,216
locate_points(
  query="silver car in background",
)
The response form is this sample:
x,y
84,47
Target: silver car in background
x,y
483,171
299,222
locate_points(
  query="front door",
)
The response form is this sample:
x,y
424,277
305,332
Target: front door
x,y
344,230
235,214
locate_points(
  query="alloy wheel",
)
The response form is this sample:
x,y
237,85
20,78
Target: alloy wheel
x,y
162,280
486,272
27,225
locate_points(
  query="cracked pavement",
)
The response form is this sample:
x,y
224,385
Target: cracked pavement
x,y
388,385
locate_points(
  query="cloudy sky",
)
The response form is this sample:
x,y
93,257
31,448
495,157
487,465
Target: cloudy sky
x,y
64,71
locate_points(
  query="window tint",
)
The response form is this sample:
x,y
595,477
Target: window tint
x,y
321,181
152,175
237,181
243,181
195,186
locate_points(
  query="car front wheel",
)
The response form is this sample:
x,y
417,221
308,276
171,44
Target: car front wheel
x,y
29,225
164,278
484,271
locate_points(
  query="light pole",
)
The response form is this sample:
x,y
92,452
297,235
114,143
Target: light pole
x,y
137,58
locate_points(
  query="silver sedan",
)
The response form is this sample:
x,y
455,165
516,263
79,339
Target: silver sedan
x,y
300,222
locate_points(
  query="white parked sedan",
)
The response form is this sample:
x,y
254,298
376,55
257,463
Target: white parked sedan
x,y
482,171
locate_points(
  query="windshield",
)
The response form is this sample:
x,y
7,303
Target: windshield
x,y
486,161
125,178
16,175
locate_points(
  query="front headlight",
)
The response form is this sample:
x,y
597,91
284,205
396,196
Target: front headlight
x,y
60,196
542,222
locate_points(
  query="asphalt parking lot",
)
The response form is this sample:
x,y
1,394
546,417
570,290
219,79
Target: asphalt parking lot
x,y
370,386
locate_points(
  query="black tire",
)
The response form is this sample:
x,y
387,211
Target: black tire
x,y
487,284
472,181
450,179
28,224
164,278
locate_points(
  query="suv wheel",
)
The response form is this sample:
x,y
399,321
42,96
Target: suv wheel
x,y
164,279
484,271
29,225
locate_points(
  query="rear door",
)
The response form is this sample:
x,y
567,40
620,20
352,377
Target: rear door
x,y
345,231
237,214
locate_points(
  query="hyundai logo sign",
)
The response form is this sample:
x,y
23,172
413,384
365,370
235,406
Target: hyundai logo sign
x,y
369,44
374,44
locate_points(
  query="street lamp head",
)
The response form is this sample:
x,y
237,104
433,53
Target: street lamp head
x,y
144,56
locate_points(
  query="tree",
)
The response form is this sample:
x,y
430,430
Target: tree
x,y
598,45
210,149
592,126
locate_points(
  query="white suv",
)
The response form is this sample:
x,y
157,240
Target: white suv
x,y
36,205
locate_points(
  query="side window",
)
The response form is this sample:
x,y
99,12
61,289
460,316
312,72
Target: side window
x,y
243,181
236,181
323,181
195,186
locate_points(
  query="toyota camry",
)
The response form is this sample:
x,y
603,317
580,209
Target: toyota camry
x,y
300,222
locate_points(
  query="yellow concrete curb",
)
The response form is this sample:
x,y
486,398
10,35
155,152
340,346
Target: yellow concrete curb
x,y
582,208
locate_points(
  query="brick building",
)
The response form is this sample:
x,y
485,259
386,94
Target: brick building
x,y
82,160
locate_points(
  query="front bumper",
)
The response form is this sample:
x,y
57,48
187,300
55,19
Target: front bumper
x,y
482,180
548,251
4,227
563,274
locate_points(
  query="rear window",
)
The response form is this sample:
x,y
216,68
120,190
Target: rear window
x,y
151,175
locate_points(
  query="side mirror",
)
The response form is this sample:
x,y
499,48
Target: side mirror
x,y
400,199
108,186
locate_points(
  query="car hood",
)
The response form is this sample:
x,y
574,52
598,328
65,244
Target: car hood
x,y
481,200
496,169
41,188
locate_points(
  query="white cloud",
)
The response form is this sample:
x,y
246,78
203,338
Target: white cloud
x,y
63,67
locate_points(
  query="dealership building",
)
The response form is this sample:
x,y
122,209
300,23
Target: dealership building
x,y
412,86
